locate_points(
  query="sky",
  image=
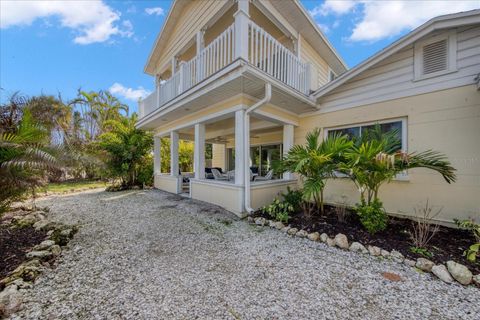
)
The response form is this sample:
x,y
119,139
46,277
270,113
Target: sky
x,y
57,47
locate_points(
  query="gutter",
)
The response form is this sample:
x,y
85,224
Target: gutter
x,y
246,139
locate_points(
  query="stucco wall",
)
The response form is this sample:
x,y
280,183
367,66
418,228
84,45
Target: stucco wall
x,y
167,183
447,121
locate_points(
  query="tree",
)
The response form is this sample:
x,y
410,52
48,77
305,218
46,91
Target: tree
x,y
315,162
125,148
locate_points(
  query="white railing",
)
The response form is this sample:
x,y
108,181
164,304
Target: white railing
x,y
270,56
264,52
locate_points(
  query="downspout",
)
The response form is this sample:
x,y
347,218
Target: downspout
x,y
246,139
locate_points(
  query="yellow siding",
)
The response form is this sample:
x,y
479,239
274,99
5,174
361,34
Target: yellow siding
x,y
218,156
447,121
319,67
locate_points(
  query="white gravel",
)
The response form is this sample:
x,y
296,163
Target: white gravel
x,y
153,255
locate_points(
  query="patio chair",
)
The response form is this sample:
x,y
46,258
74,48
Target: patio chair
x,y
217,175
231,175
267,177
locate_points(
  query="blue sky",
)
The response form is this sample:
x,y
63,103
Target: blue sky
x,y
54,47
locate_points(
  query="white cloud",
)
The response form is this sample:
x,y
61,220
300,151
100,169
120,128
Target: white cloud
x,y
383,19
128,93
93,20
156,11
325,28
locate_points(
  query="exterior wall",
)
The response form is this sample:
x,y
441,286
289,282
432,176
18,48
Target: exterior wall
x,y
263,193
218,156
447,121
226,195
319,68
167,183
394,77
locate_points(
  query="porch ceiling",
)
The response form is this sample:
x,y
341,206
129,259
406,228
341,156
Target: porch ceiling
x,y
246,80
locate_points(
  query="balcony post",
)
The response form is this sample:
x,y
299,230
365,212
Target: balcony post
x,y
200,59
241,30
308,78
181,81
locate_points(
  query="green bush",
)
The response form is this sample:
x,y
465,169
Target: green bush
x,y
279,210
145,171
474,250
293,198
372,216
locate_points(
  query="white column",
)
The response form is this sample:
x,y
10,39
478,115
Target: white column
x,y
288,135
199,151
239,147
200,41
174,153
241,30
157,157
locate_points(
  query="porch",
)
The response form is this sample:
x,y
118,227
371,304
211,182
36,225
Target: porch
x,y
238,172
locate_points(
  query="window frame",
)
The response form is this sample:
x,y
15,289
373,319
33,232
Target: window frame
x,y
399,177
451,37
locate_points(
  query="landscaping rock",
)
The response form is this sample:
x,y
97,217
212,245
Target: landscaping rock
x,y
250,219
44,245
286,229
410,263
442,273
341,241
397,256
302,234
358,247
424,264
40,225
55,250
292,231
330,242
324,237
21,284
279,225
476,280
10,301
26,221
61,237
42,255
271,223
374,251
258,221
315,236
384,253
459,272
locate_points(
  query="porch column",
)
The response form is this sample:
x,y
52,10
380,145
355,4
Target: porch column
x,y
241,30
199,151
288,134
174,153
239,147
157,156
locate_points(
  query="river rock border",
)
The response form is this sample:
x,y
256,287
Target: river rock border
x,y
38,260
449,273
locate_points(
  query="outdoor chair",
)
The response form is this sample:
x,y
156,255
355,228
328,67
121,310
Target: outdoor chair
x,y
217,175
267,177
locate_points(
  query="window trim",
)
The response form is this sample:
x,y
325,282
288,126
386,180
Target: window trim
x,y
399,177
451,38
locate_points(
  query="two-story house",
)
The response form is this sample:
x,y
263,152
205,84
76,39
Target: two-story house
x,y
251,78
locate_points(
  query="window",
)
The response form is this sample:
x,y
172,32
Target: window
x,y
385,126
435,56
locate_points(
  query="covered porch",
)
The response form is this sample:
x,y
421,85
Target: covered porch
x,y
237,174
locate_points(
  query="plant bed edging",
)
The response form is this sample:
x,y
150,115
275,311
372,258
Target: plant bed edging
x,y
452,272
38,260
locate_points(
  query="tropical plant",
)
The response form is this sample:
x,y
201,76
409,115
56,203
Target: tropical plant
x,y
125,148
474,250
315,162
372,161
293,198
279,210
24,159
423,228
372,216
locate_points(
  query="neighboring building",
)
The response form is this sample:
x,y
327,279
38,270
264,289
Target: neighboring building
x,y
252,78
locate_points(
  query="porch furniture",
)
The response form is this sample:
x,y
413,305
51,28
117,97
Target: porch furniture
x,y
209,174
231,175
217,175
267,177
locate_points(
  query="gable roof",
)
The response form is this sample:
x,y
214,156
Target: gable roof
x,y
294,13
438,23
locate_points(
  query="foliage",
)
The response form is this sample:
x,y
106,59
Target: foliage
x,y
421,251
293,198
24,159
185,155
125,149
341,209
474,250
315,162
372,216
145,171
279,210
424,229
371,161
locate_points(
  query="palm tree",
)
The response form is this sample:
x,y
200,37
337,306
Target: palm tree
x,y
315,162
374,159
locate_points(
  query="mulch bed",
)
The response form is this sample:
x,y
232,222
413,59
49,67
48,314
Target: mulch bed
x,y
447,244
14,243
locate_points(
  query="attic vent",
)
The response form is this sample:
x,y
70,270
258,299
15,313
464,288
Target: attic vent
x,y
435,57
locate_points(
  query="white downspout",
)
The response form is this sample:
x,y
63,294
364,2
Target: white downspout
x,y
246,139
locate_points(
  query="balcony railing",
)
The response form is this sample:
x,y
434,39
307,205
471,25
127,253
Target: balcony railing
x,y
264,52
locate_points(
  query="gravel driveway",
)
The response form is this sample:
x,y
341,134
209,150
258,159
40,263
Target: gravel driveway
x,y
153,255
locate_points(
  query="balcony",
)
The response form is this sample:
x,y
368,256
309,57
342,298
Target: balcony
x,y
242,40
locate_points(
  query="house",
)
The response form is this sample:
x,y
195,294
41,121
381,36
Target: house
x,y
249,79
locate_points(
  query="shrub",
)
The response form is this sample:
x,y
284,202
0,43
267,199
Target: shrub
x,y
474,250
293,198
372,216
423,229
279,210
